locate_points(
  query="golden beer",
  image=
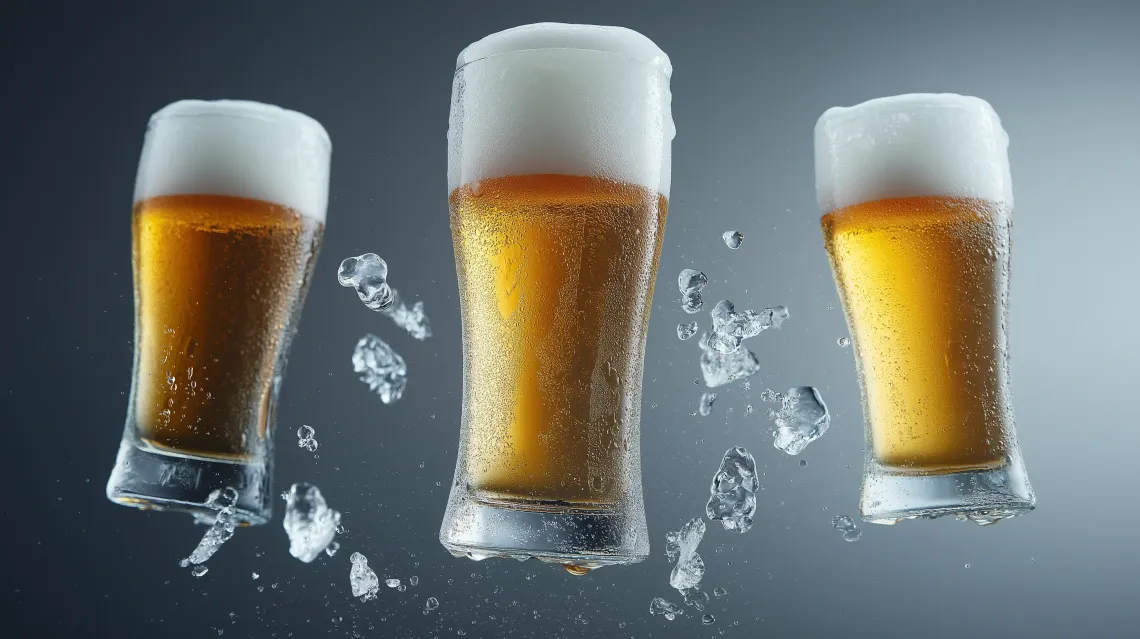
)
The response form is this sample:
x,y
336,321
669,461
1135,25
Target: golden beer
x,y
229,208
556,274
923,281
218,281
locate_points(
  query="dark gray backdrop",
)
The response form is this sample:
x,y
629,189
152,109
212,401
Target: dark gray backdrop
x,y
80,80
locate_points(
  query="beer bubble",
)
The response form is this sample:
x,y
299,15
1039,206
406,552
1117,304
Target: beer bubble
x,y
733,491
802,419
733,239
365,584
686,330
664,608
309,522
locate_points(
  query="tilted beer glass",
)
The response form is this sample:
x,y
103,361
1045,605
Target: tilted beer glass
x,y
558,171
918,205
229,210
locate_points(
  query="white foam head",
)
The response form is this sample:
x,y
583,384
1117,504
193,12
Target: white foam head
x,y
237,148
911,145
568,99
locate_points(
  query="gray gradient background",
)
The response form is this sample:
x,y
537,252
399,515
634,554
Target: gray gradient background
x,y
750,80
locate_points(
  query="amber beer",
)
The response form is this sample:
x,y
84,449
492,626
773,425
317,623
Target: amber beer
x,y
556,274
931,344
219,279
559,151
229,210
918,203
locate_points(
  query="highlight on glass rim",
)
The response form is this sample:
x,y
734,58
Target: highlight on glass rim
x,y
633,320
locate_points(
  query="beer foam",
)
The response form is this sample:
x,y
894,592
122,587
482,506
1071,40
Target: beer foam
x,y
568,99
237,148
911,145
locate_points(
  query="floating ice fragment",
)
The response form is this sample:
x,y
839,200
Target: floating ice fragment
x,y
305,438
802,419
368,274
843,342
199,570
309,522
719,592
683,544
696,598
733,239
365,583
392,583
719,369
414,580
331,549
708,620
686,330
221,529
380,367
690,282
706,405
734,486
729,328
661,607
431,604
846,525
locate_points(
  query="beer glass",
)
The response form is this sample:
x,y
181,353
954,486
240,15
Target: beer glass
x,y
229,209
917,203
558,171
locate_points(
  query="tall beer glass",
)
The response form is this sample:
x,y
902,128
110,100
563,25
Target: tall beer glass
x,y
917,204
558,171
229,210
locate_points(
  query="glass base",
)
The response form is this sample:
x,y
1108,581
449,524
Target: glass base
x,y
983,496
161,481
578,540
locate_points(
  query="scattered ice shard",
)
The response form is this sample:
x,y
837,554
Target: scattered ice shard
x,y
414,580
719,369
431,604
707,400
331,549
708,620
729,328
305,438
733,239
719,592
802,419
690,282
686,330
199,570
682,544
380,367
661,607
843,342
309,522
845,525
365,583
392,583
696,598
221,530
733,500
368,274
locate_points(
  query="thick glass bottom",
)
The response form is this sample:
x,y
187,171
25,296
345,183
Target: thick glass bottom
x,y
984,496
153,480
578,540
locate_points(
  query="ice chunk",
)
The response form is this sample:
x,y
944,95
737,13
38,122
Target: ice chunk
x,y
661,607
221,529
686,330
690,282
802,419
683,544
729,328
368,274
846,525
365,583
733,239
309,522
380,367
734,486
706,405
719,369
305,438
